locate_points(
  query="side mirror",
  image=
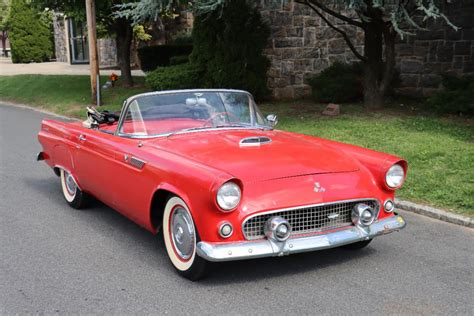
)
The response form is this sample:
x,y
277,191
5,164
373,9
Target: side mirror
x,y
272,120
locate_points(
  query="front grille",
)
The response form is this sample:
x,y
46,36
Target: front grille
x,y
304,220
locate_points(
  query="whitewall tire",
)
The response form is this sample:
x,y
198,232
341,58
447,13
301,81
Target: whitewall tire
x,y
74,196
181,237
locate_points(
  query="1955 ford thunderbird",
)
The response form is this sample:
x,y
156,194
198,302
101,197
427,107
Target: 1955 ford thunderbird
x,y
210,172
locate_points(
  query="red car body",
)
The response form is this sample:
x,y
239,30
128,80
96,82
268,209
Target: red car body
x,y
292,171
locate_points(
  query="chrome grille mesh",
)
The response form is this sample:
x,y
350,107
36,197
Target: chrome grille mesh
x,y
306,220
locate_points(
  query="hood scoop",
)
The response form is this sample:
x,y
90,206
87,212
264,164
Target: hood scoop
x,y
254,141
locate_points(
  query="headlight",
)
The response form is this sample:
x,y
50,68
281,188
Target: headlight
x,y
395,176
228,196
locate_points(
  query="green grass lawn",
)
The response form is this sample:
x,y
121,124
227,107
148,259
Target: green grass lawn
x,y
67,95
439,150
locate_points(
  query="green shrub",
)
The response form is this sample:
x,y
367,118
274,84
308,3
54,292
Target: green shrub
x,y
456,98
184,76
30,36
183,39
338,83
228,48
177,60
152,57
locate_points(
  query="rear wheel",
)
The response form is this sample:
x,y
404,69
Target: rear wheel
x,y
181,237
358,245
74,196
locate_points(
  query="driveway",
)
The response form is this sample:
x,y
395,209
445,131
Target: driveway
x,y
58,260
7,68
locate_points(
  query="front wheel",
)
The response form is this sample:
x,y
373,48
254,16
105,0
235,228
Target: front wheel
x,y
74,196
180,236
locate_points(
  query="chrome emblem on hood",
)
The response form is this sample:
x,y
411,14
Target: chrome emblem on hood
x,y
318,188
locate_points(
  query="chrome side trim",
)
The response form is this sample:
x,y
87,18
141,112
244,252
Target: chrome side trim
x,y
309,206
230,251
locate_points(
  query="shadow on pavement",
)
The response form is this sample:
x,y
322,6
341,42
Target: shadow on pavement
x,y
100,217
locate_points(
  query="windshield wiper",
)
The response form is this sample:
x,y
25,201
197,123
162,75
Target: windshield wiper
x,y
230,125
216,126
188,130
263,128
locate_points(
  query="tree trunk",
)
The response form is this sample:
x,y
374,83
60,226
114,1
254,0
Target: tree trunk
x,y
373,65
373,96
4,43
389,36
123,39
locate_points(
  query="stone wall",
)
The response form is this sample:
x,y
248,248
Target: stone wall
x,y
107,50
302,44
60,38
422,59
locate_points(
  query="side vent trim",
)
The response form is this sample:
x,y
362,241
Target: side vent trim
x,y
137,163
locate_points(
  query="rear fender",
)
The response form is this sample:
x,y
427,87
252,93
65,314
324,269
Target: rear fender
x,y
62,158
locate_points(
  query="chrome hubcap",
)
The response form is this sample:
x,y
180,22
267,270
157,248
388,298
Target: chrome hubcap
x,y
182,233
71,185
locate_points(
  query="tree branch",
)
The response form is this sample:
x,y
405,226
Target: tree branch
x,y
344,35
331,12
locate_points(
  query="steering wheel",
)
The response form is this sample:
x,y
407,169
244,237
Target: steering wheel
x,y
213,116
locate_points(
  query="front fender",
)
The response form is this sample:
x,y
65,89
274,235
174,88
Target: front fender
x,y
377,163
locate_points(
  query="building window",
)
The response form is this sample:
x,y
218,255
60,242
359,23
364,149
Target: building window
x,y
78,46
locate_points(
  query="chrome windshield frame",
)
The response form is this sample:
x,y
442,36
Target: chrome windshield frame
x,y
126,105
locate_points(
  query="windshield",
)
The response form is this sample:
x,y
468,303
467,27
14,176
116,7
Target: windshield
x,y
158,114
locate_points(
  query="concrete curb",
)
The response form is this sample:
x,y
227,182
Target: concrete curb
x,y
24,106
434,213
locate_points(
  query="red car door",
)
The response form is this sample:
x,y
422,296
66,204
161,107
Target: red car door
x,y
134,182
93,157
110,168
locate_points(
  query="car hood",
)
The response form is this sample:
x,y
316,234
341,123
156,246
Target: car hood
x,y
286,155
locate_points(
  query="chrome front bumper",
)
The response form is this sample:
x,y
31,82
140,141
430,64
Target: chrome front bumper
x,y
270,248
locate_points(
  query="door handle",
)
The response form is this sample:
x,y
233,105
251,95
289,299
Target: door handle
x,y
82,138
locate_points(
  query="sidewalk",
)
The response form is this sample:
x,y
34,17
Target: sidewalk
x,y
7,68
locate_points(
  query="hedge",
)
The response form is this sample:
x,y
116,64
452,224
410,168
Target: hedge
x,y
183,76
152,57
339,82
30,37
456,98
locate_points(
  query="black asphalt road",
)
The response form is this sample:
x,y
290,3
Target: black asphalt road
x,y
55,259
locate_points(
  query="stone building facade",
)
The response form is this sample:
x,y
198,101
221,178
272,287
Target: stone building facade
x,y
60,39
64,39
67,32
302,44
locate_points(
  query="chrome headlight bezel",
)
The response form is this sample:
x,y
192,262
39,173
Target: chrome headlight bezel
x,y
228,196
395,176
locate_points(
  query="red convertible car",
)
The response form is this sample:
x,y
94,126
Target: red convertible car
x,y
210,172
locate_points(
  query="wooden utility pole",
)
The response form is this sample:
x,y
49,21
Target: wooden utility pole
x,y
93,59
